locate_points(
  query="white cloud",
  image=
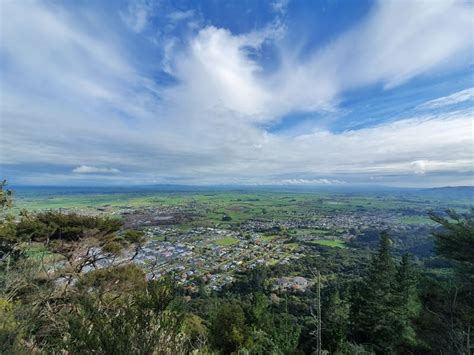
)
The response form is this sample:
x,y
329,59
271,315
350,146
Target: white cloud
x,y
311,182
169,47
85,169
402,40
457,97
216,74
177,16
398,41
422,167
280,6
72,96
137,15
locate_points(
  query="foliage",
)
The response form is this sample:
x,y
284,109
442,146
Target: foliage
x,y
385,303
64,289
455,306
143,320
330,243
52,225
8,325
455,240
227,328
6,200
336,312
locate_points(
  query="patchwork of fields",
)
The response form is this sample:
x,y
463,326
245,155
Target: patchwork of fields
x,y
216,233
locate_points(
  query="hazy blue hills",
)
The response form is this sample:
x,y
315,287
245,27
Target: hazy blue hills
x,y
443,193
449,192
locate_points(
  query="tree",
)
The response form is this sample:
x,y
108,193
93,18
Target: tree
x,y
372,317
259,314
407,301
285,333
10,252
141,318
6,199
315,311
455,241
252,282
386,303
196,331
336,323
228,328
66,227
7,228
42,295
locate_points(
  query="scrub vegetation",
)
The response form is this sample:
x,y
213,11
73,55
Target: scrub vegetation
x,y
70,282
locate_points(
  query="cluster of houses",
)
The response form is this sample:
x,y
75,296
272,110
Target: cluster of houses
x,y
296,283
198,254
345,224
201,254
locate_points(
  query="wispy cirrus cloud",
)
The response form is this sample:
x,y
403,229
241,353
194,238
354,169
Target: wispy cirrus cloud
x,y
311,182
73,94
455,98
280,6
137,15
177,16
86,169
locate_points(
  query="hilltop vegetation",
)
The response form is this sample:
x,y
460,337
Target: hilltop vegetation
x,y
70,283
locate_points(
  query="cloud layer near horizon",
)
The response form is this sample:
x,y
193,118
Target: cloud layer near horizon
x,y
76,103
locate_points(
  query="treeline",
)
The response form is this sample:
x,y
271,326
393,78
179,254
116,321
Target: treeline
x,y
66,287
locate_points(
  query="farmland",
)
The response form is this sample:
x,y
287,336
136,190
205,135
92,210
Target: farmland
x,y
195,232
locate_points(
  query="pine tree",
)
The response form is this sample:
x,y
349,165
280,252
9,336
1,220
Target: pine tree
x,y
373,316
408,303
336,321
455,242
387,303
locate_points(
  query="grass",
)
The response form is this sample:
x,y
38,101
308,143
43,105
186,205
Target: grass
x,y
39,252
267,238
330,243
313,231
159,238
292,246
416,220
225,242
208,208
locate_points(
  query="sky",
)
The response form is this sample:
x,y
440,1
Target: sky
x,y
240,92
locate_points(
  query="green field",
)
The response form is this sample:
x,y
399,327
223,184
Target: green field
x,y
209,208
330,243
225,242
158,238
267,238
416,220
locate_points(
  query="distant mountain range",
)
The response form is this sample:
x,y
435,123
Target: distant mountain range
x,y
441,193
450,192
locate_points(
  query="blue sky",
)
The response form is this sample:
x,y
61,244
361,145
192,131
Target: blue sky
x,y
280,92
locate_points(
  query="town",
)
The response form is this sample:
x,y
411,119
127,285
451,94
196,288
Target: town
x,y
207,249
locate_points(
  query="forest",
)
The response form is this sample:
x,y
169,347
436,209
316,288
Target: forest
x,y
60,301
